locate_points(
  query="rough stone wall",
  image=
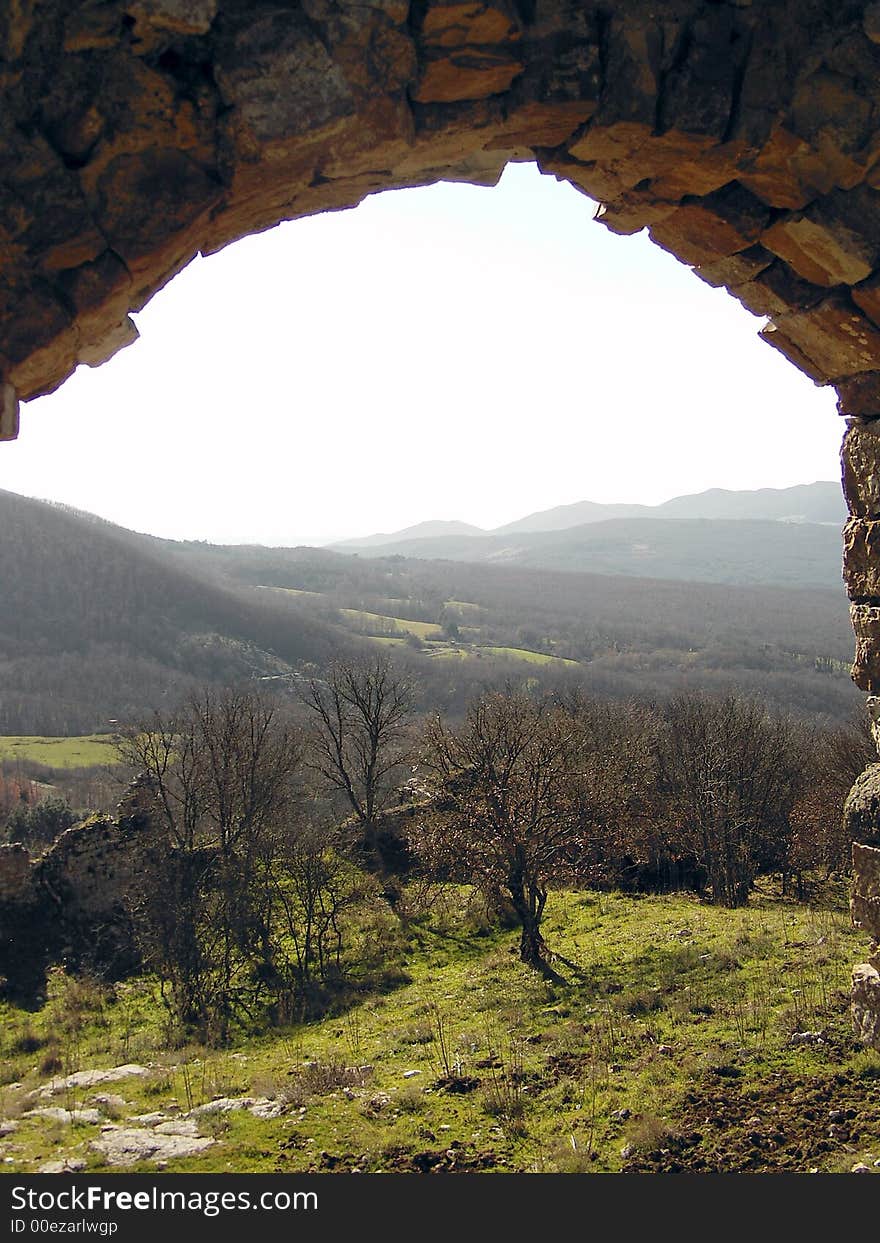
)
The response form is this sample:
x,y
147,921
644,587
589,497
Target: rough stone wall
x,y
91,869
15,872
744,135
135,133
73,900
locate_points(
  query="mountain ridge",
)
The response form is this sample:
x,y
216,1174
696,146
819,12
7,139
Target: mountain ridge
x,y
820,502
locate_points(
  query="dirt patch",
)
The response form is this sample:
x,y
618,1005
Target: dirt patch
x,y
456,1159
792,1123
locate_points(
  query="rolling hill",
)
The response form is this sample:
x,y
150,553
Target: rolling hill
x,y
422,530
98,624
690,550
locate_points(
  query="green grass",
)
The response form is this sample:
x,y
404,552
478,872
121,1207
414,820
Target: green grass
x,y
670,1009
422,630
82,752
292,591
522,653
464,606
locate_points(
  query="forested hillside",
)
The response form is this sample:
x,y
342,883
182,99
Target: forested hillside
x,y
98,624
628,636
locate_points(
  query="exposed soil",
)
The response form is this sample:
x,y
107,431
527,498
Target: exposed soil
x,y
456,1159
790,1123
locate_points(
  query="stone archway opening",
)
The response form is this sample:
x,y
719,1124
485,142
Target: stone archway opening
x,y
138,133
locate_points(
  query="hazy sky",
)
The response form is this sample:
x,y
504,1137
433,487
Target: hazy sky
x,y
449,352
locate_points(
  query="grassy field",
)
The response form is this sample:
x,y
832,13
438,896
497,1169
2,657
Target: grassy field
x,y
422,630
81,752
292,591
683,1037
464,607
522,653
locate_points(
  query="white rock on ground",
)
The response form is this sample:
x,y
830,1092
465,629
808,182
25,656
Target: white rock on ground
x,y
178,1126
70,1165
126,1145
7,1126
90,1078
259,1106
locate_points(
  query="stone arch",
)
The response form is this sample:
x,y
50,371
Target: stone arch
x,y
746,138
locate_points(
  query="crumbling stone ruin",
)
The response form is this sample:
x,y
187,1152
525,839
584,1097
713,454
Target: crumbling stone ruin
x,y
744,136
73,902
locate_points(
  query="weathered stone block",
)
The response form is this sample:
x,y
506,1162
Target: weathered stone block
x,y
469,52
776,175
701,84
466,75
780,341
865,620
148,197
180,17
8,412
832,112
860,460
629,88
714,227
861,811
612,145
865,670
836,241
865,899
281,82
861,558
834,337
632,212
111,342
865,1000
684,173
777,291
867,297
859,396
534,125
736,269
470,24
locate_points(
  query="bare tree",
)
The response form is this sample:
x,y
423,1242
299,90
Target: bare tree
x,y
820,838
358,742
221,774
509,821
729,774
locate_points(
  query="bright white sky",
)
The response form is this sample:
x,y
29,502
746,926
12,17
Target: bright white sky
x,y
448,352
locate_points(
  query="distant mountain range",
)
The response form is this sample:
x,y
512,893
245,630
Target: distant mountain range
x,y
821,502
690,550
782,536
422,530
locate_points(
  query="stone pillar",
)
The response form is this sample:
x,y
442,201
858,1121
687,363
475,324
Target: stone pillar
x,y
861,569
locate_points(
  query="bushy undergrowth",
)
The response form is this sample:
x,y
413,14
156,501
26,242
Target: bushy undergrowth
x,y
674,1019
